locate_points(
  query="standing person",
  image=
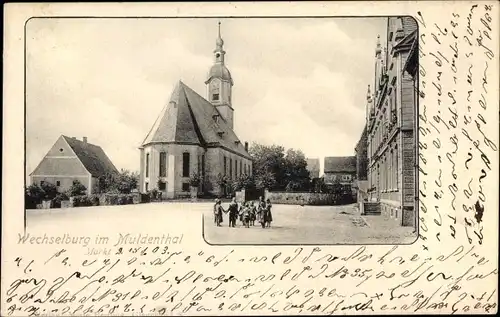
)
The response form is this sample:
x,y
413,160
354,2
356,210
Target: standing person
x,y
261,207
218,210
233,213
269,214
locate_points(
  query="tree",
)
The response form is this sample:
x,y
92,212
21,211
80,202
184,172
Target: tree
x,y
222,182
296,173
275,170
122,182
49,190
268,166
243,182
76,189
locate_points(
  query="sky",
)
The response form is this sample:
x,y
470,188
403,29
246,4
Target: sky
x,y
299,83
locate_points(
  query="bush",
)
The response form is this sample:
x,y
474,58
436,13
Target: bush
x,y
77,189
94,199
81,201
56,202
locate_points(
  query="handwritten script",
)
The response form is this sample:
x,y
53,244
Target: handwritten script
x,y
448,269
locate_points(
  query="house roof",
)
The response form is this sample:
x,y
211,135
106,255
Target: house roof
x,y
336,164
188,118
92,157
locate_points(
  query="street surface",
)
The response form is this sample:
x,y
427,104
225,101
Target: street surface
x,y
292,224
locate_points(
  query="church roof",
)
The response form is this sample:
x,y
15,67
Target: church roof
x,y
219,70
340,164
92,156
188,118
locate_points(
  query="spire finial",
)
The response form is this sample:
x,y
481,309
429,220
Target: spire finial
x,y
219,41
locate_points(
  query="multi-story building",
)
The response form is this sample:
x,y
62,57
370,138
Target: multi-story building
x,y
391,124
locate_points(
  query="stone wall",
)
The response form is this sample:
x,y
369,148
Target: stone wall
x,y
300,198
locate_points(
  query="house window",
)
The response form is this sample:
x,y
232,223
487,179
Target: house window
x,y
58,183
163,164
241,167
185,187
147,165
225,166
215,97
235,168
185,165
162,186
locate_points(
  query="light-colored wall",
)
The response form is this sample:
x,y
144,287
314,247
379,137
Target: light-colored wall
x,y
65,181
61,161
213,167
330,177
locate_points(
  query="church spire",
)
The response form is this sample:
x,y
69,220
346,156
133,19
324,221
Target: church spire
x,y
219,49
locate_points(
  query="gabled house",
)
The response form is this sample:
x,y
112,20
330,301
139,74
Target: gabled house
x,y
341,169
71,159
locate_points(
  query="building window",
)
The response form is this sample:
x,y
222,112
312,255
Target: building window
x,y
58,183
163,164
147,165
396,168
185,187
162,186
147,186
391,175
235,168
231,168
185,164
225,166
215,97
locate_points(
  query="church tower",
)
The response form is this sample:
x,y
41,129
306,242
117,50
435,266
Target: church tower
x,y
219,83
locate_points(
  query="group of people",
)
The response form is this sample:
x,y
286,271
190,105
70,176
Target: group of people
x,y
248,213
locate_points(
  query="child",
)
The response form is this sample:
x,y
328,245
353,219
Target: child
x,y
218,210
253,212
269,214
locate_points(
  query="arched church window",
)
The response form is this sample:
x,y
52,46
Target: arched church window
x,y
185,164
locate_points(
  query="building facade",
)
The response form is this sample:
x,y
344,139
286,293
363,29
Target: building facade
x,y
70,159
361,182
391,124
340,170
195,136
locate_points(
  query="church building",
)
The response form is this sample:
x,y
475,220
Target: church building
x,y
194,137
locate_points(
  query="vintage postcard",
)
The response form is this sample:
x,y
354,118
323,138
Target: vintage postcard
x,y
304,158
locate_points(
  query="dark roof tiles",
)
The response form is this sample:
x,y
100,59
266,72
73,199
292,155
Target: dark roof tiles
x,y
92,157
190,118
338,164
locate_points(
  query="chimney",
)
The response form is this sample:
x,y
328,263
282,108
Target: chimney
x,y
85,139
246,146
